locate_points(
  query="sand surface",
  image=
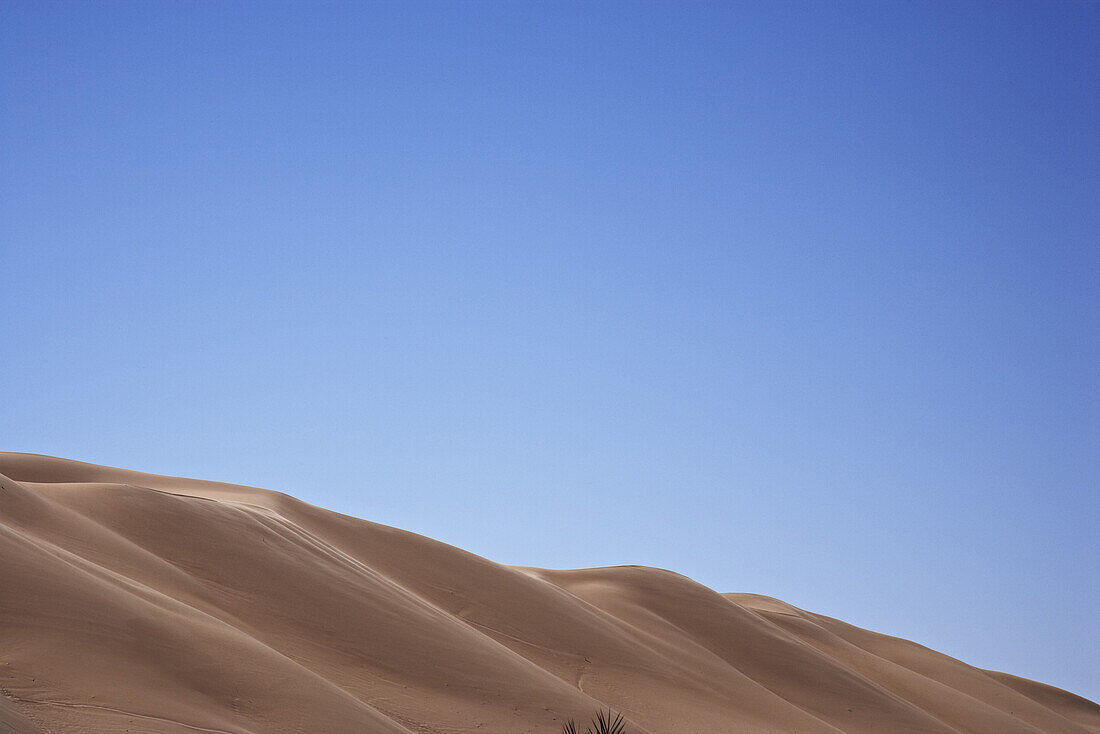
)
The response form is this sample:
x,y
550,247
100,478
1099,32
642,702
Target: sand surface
x,y
131,602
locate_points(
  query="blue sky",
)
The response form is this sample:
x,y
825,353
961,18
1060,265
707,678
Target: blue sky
x,y
799,299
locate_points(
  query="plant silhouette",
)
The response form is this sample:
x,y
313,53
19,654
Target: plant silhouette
x,y
602,724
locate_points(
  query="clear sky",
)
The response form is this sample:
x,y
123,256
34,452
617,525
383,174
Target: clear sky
x,y
798,299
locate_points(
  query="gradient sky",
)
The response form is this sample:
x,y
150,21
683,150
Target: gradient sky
x,y
799,299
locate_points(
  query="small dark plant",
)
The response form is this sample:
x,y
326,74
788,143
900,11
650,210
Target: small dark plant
x,y
602,724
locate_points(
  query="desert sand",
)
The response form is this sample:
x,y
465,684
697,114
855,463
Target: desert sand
x,y
131,602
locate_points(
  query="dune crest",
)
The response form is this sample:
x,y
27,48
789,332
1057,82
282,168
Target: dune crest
x,y
132,602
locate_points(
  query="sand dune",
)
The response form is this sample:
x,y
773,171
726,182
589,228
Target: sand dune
x,y
138,603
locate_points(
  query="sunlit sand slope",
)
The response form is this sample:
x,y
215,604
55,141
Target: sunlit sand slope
x,y
138,603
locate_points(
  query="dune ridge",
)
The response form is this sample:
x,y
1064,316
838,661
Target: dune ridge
x,y
132,602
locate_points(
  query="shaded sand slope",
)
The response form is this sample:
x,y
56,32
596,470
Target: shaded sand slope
x,y
141,603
